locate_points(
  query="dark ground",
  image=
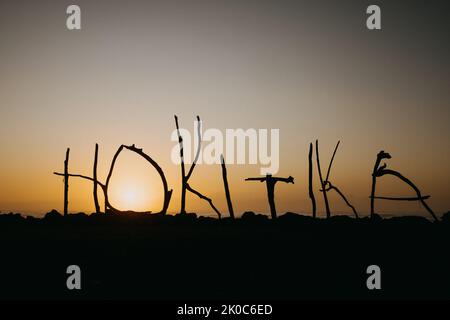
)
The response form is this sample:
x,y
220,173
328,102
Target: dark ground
x,y
148,256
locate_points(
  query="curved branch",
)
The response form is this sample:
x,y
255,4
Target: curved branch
x,y
201,196
383,172
180,141
331,187
113,163
380,156
331,161
167,192
199,146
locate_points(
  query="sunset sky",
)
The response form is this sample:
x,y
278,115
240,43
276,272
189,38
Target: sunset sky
x,y
308,68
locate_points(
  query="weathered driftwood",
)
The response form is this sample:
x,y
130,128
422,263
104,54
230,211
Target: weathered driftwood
x,y
201,196
270,184
183,170
226,187
86,178
66,182
402,198
322,182
326,184
331,161
185,177
167,193
310,181
380,156
94,175
108,206
339,192
381,171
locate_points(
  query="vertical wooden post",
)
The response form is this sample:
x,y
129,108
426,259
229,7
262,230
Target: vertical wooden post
x,y
66,182
97,206
372,192
311,192
380,156
183,170
227,190
322,183
270,184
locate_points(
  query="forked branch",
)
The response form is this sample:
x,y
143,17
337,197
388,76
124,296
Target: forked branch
x,y
185,177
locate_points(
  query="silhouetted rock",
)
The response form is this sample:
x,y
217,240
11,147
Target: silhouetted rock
x,y
11,217
171,256
341,219
376,217
409,221
79,216
54,214
185,217
446,217
295,217
208,219
253,217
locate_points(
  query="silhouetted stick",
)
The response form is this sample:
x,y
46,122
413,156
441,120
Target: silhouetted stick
x,y
331,161
201,196
310,181
382,172
270,185
167,193
185,178
197,153
402,198
331,187
94,174
183,170
105,193
256,179
108,178
80,176
66,182
108,206
380,156
324,192
225,185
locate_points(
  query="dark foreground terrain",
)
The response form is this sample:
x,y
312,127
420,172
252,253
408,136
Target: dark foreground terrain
x,y
183,257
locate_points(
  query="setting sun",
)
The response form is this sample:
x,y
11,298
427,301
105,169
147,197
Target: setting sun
x,y
135,186
133,197
129,198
